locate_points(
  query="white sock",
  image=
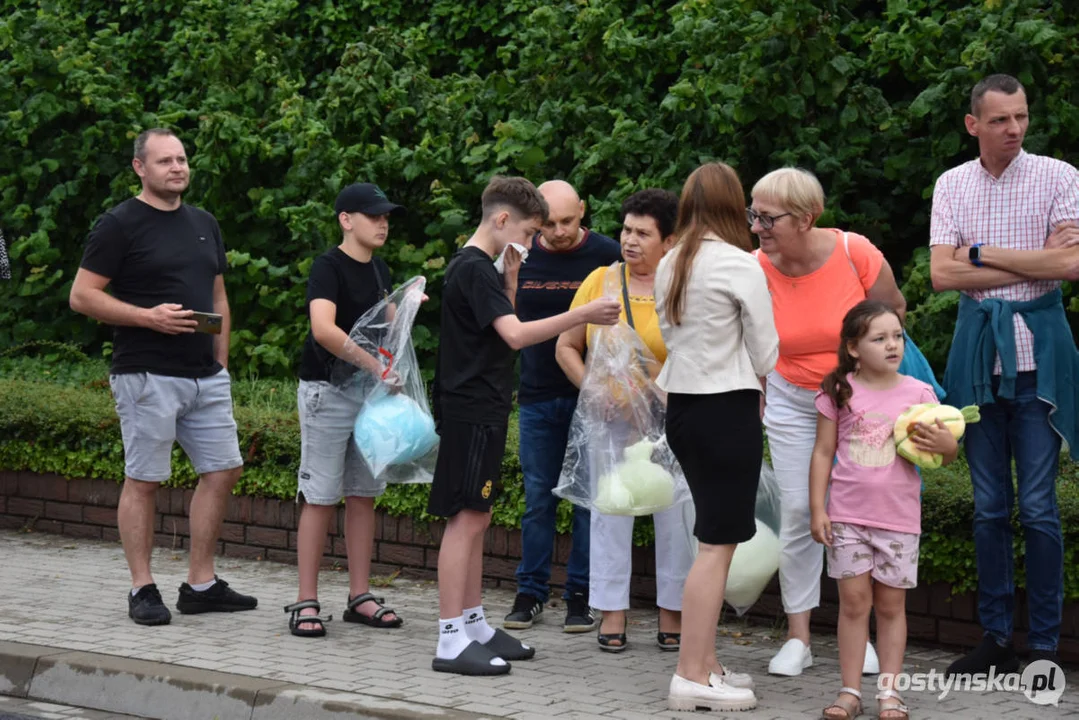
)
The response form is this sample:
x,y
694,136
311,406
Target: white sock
x,y
476,626
203,587
452,640
135,591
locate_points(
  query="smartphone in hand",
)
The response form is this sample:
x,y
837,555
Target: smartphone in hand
x,y
207,322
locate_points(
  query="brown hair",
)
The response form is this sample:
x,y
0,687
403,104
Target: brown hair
x,y
712,201
515,193
994,83
144,137
855,326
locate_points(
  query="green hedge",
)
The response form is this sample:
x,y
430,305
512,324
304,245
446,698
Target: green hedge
x,y
58,417
281,103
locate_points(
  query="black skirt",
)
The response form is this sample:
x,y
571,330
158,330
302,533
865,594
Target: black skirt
x,y
719,444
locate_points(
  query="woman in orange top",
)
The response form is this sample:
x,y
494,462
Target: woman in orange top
x,y
815,275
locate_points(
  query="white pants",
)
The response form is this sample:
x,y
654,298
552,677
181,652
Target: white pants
x,y
611,552
790,418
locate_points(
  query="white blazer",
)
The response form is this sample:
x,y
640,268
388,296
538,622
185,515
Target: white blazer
x,y
727,339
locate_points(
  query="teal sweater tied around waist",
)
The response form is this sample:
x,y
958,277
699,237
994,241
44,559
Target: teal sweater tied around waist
x,y
986,330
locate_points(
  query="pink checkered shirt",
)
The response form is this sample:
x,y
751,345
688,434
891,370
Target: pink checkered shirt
x,y
1018,211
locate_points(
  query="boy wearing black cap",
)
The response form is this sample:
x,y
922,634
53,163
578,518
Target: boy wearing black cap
x,y
344,283
472,398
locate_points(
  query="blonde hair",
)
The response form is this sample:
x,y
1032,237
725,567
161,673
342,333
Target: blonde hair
x,y
797,190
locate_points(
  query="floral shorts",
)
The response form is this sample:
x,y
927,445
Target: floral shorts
x,y
892,557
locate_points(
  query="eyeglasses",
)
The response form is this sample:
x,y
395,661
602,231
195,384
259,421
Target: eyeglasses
x,y
767,221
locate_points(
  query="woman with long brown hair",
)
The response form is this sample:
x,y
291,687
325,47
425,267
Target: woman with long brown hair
x,y
715,315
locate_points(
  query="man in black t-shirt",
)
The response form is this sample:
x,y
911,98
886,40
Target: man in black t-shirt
x,y
472,398
165,263
562,256
345,282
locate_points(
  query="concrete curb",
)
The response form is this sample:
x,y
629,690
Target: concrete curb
x,y
175,692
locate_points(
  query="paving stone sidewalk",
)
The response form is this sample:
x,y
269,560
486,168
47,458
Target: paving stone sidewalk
x,y
66,593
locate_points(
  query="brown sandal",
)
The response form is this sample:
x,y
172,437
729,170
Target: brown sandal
x,y
895,711
835,711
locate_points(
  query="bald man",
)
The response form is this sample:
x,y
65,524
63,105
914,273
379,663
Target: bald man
x,y
563,254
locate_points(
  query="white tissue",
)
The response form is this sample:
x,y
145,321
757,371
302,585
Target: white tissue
x,y
499,266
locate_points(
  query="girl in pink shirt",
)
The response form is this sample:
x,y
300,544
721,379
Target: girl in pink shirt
x,y
872,519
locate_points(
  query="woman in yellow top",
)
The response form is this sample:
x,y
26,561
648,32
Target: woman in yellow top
x,y
648,219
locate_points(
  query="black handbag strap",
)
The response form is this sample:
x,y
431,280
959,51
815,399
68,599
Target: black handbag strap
x,y
625,297
382,292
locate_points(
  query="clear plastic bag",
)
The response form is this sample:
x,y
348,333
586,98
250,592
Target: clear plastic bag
x,y
755,561
394,430
617,459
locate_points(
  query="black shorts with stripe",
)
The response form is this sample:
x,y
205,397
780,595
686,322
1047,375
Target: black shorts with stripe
x,y
468,472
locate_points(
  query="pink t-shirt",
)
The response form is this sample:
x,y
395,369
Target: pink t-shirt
x,y
871,484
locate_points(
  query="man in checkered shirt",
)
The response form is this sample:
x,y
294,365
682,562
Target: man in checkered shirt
x,y
1004,233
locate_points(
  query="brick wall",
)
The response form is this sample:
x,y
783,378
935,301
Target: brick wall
x,y
265,529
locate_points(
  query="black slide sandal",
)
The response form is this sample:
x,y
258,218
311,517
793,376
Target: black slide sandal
x,y
474,660
297,619
508,647
354,616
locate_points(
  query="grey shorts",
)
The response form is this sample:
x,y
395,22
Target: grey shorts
x,y
157,410
331,466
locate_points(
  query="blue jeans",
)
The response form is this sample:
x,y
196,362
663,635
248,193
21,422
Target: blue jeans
x,y
1018,427
544,432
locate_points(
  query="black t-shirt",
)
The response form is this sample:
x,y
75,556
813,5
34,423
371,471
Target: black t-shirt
x,y
545,287
354,287
474,374
152,257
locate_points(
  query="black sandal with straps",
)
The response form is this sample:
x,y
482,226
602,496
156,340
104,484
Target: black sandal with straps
x,y
376,620
606,639
296,620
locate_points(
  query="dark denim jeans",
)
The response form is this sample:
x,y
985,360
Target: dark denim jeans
x,y
1017,428
544,432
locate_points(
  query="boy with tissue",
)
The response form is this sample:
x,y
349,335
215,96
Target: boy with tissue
x,y
472,400
345,282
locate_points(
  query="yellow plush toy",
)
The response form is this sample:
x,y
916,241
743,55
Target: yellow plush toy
x,y
928,413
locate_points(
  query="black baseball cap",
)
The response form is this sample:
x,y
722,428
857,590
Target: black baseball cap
x,y
366,198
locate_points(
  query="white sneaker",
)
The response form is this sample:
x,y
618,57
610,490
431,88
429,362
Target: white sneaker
x,y
871,666
794,657
734,679
688,695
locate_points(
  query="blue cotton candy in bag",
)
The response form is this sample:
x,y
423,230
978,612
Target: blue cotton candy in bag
x,y
392,429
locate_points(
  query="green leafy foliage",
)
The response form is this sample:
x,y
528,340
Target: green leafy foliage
x,y
281,103
57,416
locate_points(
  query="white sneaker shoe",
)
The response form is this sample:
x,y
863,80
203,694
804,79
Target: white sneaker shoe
x,y
734,679
688,695
794,657
871,665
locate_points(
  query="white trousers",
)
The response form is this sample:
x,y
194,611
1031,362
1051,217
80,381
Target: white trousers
x,y
611,552
790,419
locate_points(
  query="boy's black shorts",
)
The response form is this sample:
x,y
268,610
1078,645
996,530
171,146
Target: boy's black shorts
x,y
468,472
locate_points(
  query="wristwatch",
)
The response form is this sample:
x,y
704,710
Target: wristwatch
x,y
975,255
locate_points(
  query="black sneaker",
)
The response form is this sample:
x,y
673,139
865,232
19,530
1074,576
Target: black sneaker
x,y
219,598
987,655
525,611
579,616
1050,655
147,608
